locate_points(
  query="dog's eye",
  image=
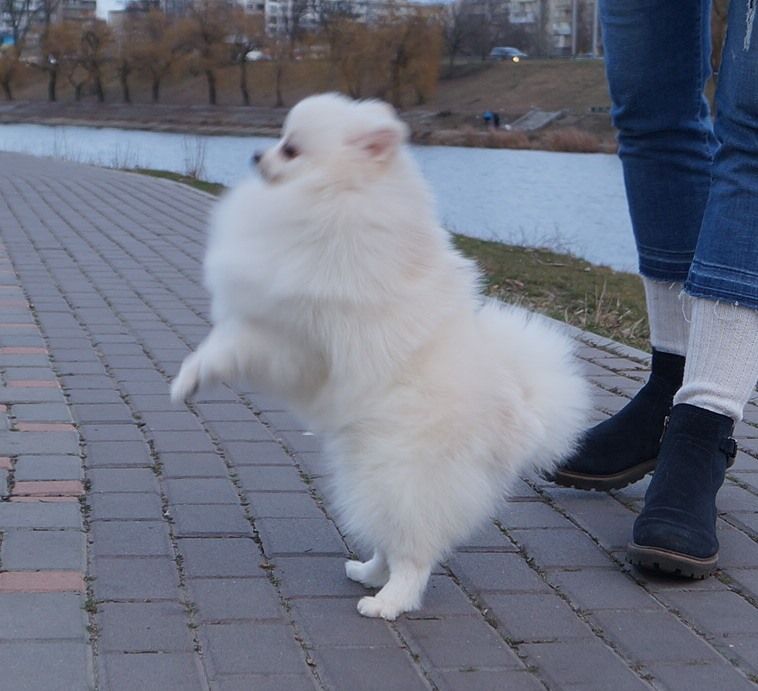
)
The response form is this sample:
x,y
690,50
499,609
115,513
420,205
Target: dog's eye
x,y
289,151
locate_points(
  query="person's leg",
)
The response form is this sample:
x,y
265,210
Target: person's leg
x,y
657,61
676,530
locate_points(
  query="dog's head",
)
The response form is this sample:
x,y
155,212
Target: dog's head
x,y
335,139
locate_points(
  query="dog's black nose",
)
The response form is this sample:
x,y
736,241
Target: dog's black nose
x,y
257,156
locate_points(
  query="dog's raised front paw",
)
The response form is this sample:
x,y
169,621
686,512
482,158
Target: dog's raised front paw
x,y
374,606
187,381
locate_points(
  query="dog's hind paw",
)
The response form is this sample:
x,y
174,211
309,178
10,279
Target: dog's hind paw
x,y
372,573
376,607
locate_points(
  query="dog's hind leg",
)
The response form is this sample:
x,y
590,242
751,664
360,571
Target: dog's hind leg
x,y
402,593
373,573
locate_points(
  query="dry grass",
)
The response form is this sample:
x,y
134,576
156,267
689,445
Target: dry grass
x,y
574,140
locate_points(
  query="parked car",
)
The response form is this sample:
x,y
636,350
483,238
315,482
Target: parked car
x,y
507,53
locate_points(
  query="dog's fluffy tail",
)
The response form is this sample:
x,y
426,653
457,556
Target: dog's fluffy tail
x,y
546,369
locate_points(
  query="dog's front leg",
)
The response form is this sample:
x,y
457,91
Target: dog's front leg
x,y
215,360
402,593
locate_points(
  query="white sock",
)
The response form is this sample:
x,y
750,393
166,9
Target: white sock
x,y
669,329
722,358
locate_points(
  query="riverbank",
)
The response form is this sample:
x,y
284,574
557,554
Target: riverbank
x,y
440,128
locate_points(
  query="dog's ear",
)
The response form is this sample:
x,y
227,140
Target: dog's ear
x,y
381,141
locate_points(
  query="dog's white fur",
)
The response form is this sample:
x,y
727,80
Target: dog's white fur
x,y
335,288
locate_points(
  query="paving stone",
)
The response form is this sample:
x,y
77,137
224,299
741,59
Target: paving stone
x,y
225,599
720,613
125,505
220,557
40,515
256,453
551,548
137,627
316,576
271,478
131,538
117,453
689,677
469,641
268,682
245,430
17,443
300,536
178,465
580,664
48,468
210,519
497,572
491,680
123,480
368,669
538,617
531,514
488,538
141,671
191,442
66,665
240,648
47,412
283,505
135,578
332,622
41,615
653,636
28,550
201,491
593,589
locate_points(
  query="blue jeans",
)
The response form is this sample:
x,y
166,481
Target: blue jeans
x,y
692,184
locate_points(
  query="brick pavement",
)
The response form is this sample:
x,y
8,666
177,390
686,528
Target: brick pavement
x,y
153,547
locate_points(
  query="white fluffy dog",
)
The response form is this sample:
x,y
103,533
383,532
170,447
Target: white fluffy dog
x,y
334,287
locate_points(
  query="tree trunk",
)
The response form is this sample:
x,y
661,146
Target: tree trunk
x,y
243,81
279,79
7,90
210,75
52,83
78,91
156,89
123,77
99,91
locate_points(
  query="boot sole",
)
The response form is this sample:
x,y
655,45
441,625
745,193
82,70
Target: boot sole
x,y
570,478
670,562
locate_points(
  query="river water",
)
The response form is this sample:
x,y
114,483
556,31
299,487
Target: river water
x,y
570,202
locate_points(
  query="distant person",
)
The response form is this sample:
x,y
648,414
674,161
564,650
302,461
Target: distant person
x,y
487,117
496,120
692,187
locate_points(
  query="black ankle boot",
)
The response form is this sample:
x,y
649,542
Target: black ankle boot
x,y
676,531
623,448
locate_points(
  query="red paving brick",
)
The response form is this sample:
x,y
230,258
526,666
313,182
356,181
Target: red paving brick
x,y
23,350
5,463
33,384
41,582
44,500
48,488
45,427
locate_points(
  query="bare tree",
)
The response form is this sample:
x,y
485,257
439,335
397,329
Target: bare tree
x,y
456,26
282,43
203,34
352,45
96,40
248,34
486,22
157,46
18,16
